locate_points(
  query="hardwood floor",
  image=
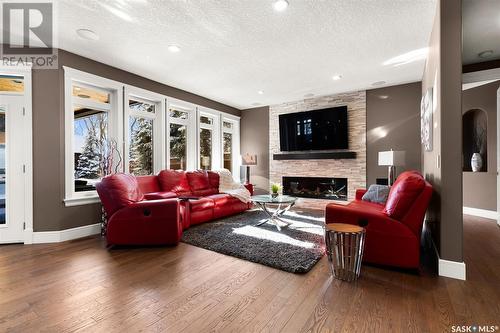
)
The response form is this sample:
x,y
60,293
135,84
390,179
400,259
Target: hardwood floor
x,y
82,286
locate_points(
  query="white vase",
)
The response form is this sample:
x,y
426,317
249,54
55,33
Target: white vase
x,y
476,162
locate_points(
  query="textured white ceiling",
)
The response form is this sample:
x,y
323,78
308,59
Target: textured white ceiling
x,y
481,29
231,49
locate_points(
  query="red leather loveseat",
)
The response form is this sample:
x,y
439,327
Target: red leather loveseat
x,y
393,230
155,209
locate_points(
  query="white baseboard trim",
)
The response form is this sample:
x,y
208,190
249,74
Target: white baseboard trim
x,y
487,214
66,235
448,268
452,269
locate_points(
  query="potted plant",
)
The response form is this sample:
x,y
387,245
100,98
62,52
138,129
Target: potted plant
x,y
275,188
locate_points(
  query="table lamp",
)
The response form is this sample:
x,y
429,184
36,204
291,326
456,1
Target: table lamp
x,y
248,160
392,159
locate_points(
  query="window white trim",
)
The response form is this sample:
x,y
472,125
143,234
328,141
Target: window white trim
x,y
191,123
131,92
216,158
115,131
118,127
235,131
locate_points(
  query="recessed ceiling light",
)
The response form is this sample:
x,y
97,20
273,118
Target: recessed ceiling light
x,y
485,54
378,83
280,5
255,104
87,34
174,48
336,77
260,92
308,95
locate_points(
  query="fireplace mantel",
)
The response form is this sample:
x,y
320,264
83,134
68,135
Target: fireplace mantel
x,y
334,155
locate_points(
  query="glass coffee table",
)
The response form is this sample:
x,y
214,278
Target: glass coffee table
x,y
283,203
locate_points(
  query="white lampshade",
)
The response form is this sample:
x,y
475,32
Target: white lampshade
x,y
391,158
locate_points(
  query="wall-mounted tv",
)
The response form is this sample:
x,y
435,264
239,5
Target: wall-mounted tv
x,y
314,130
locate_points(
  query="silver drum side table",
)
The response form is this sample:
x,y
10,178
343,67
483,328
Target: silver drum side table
x,y
344,246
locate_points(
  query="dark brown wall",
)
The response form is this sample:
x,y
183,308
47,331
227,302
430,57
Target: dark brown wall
x,y
480,187
443,165
254,126
393,122
49,212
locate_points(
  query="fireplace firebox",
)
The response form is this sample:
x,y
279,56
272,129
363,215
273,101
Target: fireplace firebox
x,y
316,187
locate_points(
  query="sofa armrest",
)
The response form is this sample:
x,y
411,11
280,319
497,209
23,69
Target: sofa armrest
x,y
146,222
249,187
370,219
358,216
360,192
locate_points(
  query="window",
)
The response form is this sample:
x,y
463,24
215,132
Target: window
x,y
140,146
231,145
178,146
142,140
209,140
11,83
206,149
228,151
111,127
90,146
92,133
181,135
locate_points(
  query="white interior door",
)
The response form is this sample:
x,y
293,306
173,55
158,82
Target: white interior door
x,y
12,168
498,157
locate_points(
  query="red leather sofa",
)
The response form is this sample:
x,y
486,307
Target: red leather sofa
x,y
155,209
393,230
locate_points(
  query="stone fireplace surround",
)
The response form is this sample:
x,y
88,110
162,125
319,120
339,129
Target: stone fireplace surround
x,y
352,169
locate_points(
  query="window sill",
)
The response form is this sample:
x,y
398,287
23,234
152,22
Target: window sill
x,y
71,202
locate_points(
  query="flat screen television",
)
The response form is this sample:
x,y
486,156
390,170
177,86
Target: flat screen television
x,y
324,129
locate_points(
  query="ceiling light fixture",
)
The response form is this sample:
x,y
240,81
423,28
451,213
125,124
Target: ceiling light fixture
x,y
256,104
485,54
308,95
260,92
174,48
408,57
280,5
336,77
87,34
378,83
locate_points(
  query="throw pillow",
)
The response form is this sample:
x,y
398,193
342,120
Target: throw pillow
x,y
377,194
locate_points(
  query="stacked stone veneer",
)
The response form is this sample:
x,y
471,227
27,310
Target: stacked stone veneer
x,y
352,169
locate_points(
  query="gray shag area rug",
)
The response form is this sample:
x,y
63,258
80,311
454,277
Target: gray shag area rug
x,y
296,248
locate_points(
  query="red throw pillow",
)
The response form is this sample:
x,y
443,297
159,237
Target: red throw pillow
x,y
403,193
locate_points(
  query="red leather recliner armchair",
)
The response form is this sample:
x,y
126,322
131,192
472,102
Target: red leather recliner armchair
x,y
393,230
132,220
